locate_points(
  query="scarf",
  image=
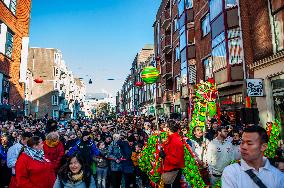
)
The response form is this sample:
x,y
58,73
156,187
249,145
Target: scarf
x,y
52,143
74,178
35,154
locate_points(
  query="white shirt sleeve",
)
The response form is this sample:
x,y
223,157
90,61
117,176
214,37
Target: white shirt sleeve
x,y
229,179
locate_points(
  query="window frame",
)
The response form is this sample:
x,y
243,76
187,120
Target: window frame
x,y
279,10
54,100
10,33
205,17
210,63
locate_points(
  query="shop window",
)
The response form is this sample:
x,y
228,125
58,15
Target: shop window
x,y
216,7
188,4
180,7
208,68
205,25
217,26
9,43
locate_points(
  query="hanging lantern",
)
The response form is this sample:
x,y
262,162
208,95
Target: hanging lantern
x,y
90,81
150,75
139,84
158,58
38,80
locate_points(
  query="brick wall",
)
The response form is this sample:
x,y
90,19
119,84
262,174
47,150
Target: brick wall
x,y
19,24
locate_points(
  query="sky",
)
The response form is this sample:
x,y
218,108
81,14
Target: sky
x,y
98,38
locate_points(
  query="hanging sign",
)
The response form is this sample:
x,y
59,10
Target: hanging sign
x,y
255,87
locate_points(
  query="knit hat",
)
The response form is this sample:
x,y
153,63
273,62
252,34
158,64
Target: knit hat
x,y
85,133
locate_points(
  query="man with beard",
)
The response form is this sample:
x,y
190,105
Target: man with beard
x,y
219,154
85,147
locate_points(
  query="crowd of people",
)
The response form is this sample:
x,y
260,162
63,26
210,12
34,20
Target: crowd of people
x,y
104,152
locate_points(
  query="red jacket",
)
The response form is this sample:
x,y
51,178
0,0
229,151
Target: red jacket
x,y
54,153
34,174
174,151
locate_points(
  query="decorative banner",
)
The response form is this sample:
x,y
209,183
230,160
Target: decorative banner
x,y
150,75
204,102
255,87
273,131
149,162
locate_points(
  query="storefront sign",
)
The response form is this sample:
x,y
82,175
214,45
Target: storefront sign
x,y
255,87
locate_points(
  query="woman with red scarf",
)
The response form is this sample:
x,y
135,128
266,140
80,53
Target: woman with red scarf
x,y
33,170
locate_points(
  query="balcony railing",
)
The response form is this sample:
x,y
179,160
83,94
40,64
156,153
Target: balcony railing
x,y
166,43
166,18
166,69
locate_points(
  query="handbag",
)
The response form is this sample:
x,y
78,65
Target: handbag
x,y
169,177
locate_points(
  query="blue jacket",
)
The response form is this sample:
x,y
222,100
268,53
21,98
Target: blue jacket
x,y
81,147
3,153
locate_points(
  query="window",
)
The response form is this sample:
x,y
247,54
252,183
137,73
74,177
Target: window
x,y
192,74
216,7
231,3
177,53
234,44
188,4
180,7
208,68
190,36
182,38
56,85
183,72
205,25
219,52
218,26
13,6
277,11
177,83
176,27
54,100
55,113
9,43
55,71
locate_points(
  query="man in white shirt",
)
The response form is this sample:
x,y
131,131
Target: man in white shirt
x,y
219,154
254,143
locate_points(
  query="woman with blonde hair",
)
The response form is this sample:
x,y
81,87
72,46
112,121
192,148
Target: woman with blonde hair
x,y
53,149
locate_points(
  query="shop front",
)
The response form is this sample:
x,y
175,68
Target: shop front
x,y
271,71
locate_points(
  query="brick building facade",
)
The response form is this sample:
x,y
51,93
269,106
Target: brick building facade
x,y
196,40
14,33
